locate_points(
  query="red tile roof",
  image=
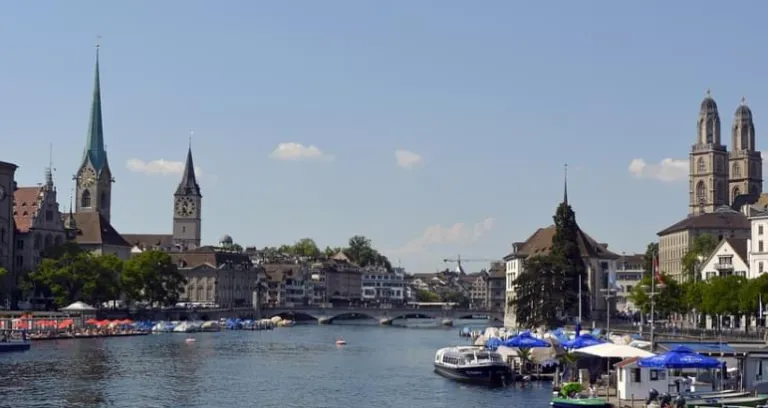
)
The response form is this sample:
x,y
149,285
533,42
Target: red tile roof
x,y
25,200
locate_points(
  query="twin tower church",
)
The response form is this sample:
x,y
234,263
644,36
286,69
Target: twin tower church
x,y
719,177
93,206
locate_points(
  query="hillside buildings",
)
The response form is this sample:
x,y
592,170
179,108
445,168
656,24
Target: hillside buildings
x,y
629,273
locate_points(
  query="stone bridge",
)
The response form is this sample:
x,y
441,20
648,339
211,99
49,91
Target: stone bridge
x,y
384,316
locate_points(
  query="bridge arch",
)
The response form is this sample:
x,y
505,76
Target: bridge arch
x,y
295,316
352,316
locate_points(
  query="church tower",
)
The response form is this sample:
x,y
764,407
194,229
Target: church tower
x,y
708,187
746,164
94,178
187,201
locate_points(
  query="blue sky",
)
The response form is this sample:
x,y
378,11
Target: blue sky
x,y
487,99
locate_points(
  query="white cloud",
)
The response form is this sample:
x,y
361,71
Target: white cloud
x,y
667,170
158,167
297,151
455,234
408,159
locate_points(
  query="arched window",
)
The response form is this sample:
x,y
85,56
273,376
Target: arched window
x,y
701,167
736,170
736,192
710,131
701,192
85,199
719,192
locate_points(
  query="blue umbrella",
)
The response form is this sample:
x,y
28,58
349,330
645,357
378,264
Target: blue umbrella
x,y
584,340
525,340
679,357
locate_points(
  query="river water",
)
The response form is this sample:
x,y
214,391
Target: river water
x,y
284,368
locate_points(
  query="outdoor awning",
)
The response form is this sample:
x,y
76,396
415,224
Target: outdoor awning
x,y
608,350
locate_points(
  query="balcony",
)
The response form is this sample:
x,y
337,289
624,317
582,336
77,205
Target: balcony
x,y
724,266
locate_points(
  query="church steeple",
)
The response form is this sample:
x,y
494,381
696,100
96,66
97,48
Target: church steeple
x,y
188,185
565,186
94,143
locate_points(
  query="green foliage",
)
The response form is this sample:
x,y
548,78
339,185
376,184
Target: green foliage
x,y
702,247
651,251
306,247
359,250
152,276
566,253
75,275
669,298
539,293
427,296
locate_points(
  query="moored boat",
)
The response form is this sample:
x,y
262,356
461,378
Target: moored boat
x,y
579,402
472,364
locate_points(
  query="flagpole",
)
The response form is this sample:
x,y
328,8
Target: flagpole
x,y
579,301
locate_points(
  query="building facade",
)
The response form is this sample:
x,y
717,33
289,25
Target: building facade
x,y
497,283
382,287
39,223
728,259
717,176
629,273
7,188
219,277
758,243
677,239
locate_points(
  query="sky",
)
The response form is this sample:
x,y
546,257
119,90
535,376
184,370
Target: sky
x,y
436,128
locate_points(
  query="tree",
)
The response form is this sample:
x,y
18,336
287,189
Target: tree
x,y
721,296
306,247
566,253
329,252
702,247
361,251
539,298
668,298
153,277
651,252
427,296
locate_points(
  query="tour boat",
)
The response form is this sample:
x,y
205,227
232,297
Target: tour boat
x,y
472,364
340,342
14,345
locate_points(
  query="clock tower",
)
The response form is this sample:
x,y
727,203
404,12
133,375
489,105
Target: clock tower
x,y
187,201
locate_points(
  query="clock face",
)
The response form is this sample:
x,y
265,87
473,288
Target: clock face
x,y
185,206
86,178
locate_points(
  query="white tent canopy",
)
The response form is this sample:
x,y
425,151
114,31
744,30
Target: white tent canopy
x,y
613,351
78,307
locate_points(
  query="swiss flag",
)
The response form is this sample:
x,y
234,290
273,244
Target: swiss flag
x,y
656,273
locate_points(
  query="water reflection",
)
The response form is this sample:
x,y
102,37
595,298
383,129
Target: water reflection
x,y
296,367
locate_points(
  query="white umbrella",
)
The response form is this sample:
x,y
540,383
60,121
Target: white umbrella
x,y
78,307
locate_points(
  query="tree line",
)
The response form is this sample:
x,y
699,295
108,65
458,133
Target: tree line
x,y
68,273
546,292
719,296
359,249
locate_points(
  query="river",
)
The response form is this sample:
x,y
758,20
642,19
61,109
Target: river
x,y
298,367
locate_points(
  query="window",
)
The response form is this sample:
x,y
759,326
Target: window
x,y
701,166
736,170
183,229
636,375
760,266
760,246
19,244
760,229
701,192
85,199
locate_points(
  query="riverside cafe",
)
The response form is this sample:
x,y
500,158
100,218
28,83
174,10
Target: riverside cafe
x,y
675,371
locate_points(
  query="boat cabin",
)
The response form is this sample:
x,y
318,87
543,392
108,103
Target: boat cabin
x,y
470,355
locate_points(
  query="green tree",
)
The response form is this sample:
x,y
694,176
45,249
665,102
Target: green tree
x,y
669,297
566,253
153,277
702,247
721,296
329,252
361,251
538,292
651,252
306,247
427,296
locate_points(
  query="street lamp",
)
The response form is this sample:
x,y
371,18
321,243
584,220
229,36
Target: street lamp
x,y
609,294
653,294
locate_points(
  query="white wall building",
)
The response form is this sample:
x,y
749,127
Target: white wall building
x,y
728,258
758,243
629,273
382,286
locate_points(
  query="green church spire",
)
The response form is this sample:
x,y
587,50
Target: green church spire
x,y
94,143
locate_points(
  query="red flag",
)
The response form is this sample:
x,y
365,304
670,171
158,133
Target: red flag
x,y
656,273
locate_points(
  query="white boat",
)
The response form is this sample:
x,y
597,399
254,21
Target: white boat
x,y
472,364
185,327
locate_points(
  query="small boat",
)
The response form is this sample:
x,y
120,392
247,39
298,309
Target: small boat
x,y
472,364
579,402
9,346
190,340
340,342
721,402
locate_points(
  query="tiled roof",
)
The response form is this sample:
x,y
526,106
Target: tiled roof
x,y
740,247
145,241
213,256
721,219
25,204
540,243
94,229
